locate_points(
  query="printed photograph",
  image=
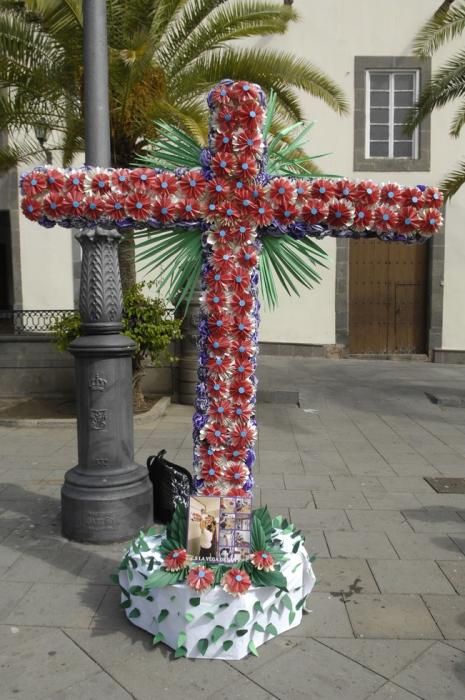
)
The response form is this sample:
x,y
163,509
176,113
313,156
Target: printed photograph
x,y
227,538
242,538
228,505
227,553
203,527
242,522
241,553
227,522
243,505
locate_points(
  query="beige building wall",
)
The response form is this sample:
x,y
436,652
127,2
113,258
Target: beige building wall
x,y
330,34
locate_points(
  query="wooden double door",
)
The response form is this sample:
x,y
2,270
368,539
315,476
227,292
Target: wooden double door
x,y
388,286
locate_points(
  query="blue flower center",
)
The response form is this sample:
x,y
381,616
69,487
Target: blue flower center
x,y
385,217
193,183
314,211
188,207
241,390
164,210
238,578
164,185
338,214
361,214
143,177
101,183
252,114
75,181
139,205
245,166
201,573
322,190
33,181
223,164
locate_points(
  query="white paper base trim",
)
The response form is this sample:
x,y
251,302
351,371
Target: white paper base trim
x,y
172,613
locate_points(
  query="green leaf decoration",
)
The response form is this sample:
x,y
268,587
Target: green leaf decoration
x,y
161,578
301,603
153,530
223,605
271,629
269,578
150,598
286,601
114,578
172,149
296,547
296,567
257,607
126,604
181,640
257,627
159,637
163,615
130,574
173,597
258,536
194,602
135,612
277,522
240,633
278,593
177,527
274,609
151,564
264,518
312,558
209,615
227,644
220,571
202,646
189,617
291,617
138,590
217,633
252,648
240,618
180,651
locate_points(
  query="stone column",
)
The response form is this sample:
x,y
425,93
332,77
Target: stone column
x,y
106,497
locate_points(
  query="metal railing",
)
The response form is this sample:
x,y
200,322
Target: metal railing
x,y
32,321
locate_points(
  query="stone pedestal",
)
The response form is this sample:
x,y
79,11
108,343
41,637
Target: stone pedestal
x,y
106,497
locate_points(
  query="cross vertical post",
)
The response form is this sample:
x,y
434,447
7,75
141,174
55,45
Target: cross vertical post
x,y
106,497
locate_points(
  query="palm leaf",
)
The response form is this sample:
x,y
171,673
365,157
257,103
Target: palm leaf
x,y
292,262
172,149
446,24
453,181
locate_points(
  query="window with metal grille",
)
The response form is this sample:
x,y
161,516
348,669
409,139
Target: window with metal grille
x,y
389,96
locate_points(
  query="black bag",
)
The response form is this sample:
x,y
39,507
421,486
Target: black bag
x,y
172,484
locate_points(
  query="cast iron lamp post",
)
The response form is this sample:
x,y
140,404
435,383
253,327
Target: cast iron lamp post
x,y
106,497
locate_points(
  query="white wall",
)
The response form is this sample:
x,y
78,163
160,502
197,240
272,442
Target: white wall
x,y
330,34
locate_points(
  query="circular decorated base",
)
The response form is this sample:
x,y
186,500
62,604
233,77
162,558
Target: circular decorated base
x,y
214,624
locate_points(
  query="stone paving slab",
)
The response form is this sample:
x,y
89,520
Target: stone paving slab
x,y
455,572
360,545
425,546
391,617
346,576
437,673
326,616
409,577
449,614
390,691
100,685
440,520
378,521
318,518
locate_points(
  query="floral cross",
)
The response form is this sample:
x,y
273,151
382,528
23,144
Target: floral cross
x,y
236,203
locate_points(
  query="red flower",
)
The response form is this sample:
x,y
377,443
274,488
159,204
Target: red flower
x,y
220,409
164,209
210,491
225,118
242,90
282,191
363,219
314,211
407,220
242,327
236,582
390,193
222,259
100,183
188,210
207,455
211,473
95,207
74,183
264,213
242,303
366,192
55,180
138,206
220,236
244,367
238,491
250,115
223,163
74,204
430,221
54,205
200,578
165,184
235,453
302,189
175,560
323,189
242,234
34,183
192,184
213,300
246,166
216,434
32,208
242,390
346,189
211,212
340,214
120,180
433,197
237,474
263,561
220,95
228,212
218,344
243,411
219,324
114,206
215,280
286,214
245,200
385,219
219,365
412,197
142,179
223,142
218,189
243,435
250,144
240,280
247,257
217,388
242,349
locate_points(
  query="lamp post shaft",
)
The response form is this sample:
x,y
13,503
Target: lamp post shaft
x,y
107,497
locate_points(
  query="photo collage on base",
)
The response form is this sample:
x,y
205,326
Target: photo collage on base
x,y
219,528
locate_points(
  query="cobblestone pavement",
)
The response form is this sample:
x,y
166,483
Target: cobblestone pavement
x,y
387,616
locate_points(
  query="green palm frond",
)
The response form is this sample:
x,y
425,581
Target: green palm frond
x,y
176,256
172,149
453,181
458,121
290,261
446,24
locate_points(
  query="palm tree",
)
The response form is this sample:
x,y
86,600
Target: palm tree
x,y
447,83
164,56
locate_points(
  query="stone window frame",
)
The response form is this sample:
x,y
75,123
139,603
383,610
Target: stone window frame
x,y
361,65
